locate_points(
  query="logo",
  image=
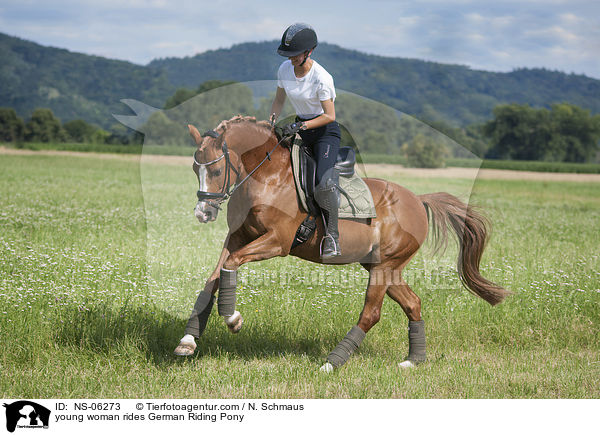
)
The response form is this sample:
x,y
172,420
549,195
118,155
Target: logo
x,y
26,414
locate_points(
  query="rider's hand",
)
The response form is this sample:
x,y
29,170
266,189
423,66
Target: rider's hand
x,y
293,128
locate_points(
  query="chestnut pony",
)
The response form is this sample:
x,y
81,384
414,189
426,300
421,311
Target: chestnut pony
x,y
246,162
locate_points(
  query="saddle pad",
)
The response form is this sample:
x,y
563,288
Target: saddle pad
x,y
361,205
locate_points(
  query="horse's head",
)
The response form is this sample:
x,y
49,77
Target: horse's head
x,y
214,167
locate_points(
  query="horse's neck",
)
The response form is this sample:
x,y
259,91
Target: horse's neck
x,y
255,145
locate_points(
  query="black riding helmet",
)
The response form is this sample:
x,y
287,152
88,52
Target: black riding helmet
x,y
297,39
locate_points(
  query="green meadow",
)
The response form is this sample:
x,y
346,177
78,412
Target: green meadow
x,y
101,259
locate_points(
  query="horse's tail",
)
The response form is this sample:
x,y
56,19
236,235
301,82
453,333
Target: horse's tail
x,y
471,228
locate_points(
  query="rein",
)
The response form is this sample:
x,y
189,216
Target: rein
x,y
215,199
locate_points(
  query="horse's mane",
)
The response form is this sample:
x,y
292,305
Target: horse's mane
x,y
263,127
250,120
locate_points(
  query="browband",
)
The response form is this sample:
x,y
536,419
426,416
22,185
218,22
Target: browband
x,y
211,133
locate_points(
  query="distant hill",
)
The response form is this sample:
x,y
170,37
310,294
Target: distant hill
x,y
428,90
76,85
73,85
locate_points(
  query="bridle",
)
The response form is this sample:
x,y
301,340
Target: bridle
x,y
215,199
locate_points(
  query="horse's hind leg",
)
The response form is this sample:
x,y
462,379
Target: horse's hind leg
x,y
379,280
411,304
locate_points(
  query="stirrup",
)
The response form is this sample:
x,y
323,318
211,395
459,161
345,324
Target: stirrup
x,y
336,246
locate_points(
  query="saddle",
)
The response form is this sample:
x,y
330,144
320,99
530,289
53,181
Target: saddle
x,y
356,200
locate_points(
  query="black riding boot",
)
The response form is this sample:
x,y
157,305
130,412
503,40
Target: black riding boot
x,y
328,197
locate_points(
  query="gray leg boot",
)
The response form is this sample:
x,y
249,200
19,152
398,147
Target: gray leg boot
x,y
327,196
416,344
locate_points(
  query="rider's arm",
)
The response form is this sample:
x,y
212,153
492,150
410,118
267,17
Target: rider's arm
x,y
278,103
325,118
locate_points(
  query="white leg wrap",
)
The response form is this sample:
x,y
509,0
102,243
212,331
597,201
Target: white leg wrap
x,y
406,364
326,368
188,339
232,320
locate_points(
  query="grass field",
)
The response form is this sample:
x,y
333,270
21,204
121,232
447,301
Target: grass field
x,y
101,261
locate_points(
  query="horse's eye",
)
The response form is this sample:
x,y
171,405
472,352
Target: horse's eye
x,y
216,173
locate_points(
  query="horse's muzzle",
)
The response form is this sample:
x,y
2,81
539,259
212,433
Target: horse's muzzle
x,y
205,213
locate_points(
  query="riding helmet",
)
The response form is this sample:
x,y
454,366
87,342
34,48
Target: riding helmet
x,y
297,39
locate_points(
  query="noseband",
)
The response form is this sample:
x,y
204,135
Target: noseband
x,y
216,198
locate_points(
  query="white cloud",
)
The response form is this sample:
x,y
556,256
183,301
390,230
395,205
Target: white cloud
x,y
570,18
253,30
553,34
494,36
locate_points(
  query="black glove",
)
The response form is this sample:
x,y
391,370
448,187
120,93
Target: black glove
x,y
293,128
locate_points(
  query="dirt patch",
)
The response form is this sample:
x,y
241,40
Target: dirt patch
x,y
15,151
372,170
383,170
168,160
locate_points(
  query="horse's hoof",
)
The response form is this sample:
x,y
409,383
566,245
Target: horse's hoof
x,y
326,368
235,322
408,364
237,326
185,349
411,363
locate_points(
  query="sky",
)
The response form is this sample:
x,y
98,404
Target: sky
x,y
485,35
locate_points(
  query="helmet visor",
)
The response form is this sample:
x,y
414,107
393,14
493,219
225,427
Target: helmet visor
x,y
287,52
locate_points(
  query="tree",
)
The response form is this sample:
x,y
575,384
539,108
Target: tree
x,y
374,127
12,127
44,127
464,142
205,110
160,130
183,94
565,133
424,152
80,131
209,85
377,142
518,132
100,136
118,135
576,133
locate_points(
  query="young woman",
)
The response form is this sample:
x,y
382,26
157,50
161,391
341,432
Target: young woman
x,y
311,92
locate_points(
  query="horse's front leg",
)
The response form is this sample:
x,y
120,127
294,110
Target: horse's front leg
x,y
266,246
204,303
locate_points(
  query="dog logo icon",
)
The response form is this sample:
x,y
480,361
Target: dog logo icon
x,y
26,414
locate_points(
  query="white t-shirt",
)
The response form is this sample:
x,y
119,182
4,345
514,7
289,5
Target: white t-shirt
x,y
306,93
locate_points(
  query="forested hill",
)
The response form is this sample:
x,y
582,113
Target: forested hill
x,y
73,85
76,85
429,90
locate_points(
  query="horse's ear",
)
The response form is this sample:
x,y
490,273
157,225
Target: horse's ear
x,y
195,134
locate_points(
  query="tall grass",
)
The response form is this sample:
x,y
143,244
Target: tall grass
x,y
101,261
